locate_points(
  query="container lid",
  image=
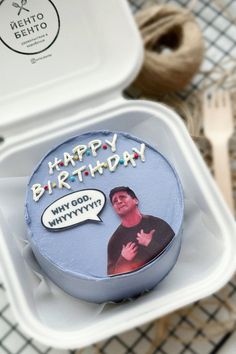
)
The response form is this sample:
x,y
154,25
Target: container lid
x,y
60,52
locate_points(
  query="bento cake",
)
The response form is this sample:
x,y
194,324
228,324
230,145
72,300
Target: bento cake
x,y
104,212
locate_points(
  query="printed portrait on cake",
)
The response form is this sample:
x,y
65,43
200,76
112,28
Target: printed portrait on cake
x,y
139,238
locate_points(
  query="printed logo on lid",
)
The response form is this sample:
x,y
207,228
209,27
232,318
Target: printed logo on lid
x,y
21,6
28,26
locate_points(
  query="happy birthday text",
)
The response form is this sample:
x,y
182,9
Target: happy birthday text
x,y
77,155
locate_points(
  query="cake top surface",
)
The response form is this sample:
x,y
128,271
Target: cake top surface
x,y
103,204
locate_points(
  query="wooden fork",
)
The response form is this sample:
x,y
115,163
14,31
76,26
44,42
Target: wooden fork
x,y
218,128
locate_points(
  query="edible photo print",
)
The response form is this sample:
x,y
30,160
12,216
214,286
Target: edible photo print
x,y
139,238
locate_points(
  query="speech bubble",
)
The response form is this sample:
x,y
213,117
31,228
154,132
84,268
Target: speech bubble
x,y
73,209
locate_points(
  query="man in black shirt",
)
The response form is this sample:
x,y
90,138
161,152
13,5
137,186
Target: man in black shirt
x,y
138,239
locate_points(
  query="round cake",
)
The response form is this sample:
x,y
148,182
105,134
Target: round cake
x,y
104,212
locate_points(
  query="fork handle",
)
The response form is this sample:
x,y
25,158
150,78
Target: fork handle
x,y
222,171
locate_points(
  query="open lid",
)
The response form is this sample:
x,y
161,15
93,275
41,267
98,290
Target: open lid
x,y
54,53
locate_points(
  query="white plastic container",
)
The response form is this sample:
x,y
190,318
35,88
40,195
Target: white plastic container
x,y
46,114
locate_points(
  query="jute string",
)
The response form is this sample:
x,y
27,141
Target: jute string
x,y
173,49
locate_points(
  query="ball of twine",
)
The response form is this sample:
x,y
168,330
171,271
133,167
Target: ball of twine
x,y
173,49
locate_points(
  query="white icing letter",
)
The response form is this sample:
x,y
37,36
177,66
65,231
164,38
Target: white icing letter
x,y
38,191
113,162
128,158
140,152
80,150
112,143
79,173
62,177
94,145
49,187
68,159
54,165
97,168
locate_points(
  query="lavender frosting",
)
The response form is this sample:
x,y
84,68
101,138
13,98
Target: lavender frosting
x,y
76,254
